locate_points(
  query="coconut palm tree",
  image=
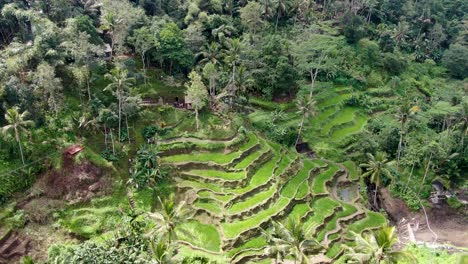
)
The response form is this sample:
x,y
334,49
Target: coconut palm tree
x,y
162,251
405,111
375,168
292,239
16,124
120,82
306,108
377,247
170,216
232,55
210,53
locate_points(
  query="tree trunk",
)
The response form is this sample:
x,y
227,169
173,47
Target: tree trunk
x,y
196,118
19,144
313,77
105,135
425,173
128,130
112,139
375,196
300,129
89,88
120,112
409,178
400,143
144,69
276,24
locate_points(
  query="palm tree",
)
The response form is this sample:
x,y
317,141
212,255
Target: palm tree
x,y
306,107
109,23
233,55
17,123
147,167
281,9
210,53
376,247
170,216
375,168
120,82
292,239
162,251
405,111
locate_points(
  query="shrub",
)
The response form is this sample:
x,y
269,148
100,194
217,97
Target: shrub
x,y
456,60
353,27
394,64
149,132
407,195
454,202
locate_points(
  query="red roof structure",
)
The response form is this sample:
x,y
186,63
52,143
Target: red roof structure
x,y
74,149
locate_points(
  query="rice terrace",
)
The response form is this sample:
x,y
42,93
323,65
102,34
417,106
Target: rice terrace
x,y
220,131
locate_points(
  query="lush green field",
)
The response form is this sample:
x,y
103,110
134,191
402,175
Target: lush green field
x,y
278,188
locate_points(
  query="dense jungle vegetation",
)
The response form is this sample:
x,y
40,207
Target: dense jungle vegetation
x,y
222,131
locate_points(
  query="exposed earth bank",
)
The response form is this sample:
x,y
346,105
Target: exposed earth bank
x,y
449,225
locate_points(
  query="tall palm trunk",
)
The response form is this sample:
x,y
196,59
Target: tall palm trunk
x,y
425,173
375,195
196,117
120,112
400,144
105,135
128,130
301,125
409,178
19,144
89,88
112,139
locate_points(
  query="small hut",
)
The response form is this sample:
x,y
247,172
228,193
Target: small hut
x,y
73,150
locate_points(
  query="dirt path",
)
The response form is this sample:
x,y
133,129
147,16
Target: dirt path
x,y
449,225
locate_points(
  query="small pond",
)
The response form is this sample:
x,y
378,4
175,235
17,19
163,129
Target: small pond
x,y
348,192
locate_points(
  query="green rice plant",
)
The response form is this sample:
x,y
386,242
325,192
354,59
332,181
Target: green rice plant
x,y
201,235
255,243
321,209
335,100
324,115
320,181
188,252
218,174
252,157
223,198
260,177
345,116
299,211
199,185
302,192
358,125
210,206
234,229
270,105
212,156
332,224
205,144
290,188
88,222
334,250
371,221
252,201
353,173
250,253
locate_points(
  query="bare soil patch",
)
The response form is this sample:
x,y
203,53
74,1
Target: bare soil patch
x,y
73,183
450,225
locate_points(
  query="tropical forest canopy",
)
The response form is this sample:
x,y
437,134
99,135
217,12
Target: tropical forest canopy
x,y
174,131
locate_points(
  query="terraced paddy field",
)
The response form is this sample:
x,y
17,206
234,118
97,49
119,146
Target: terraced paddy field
x,y
244,183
